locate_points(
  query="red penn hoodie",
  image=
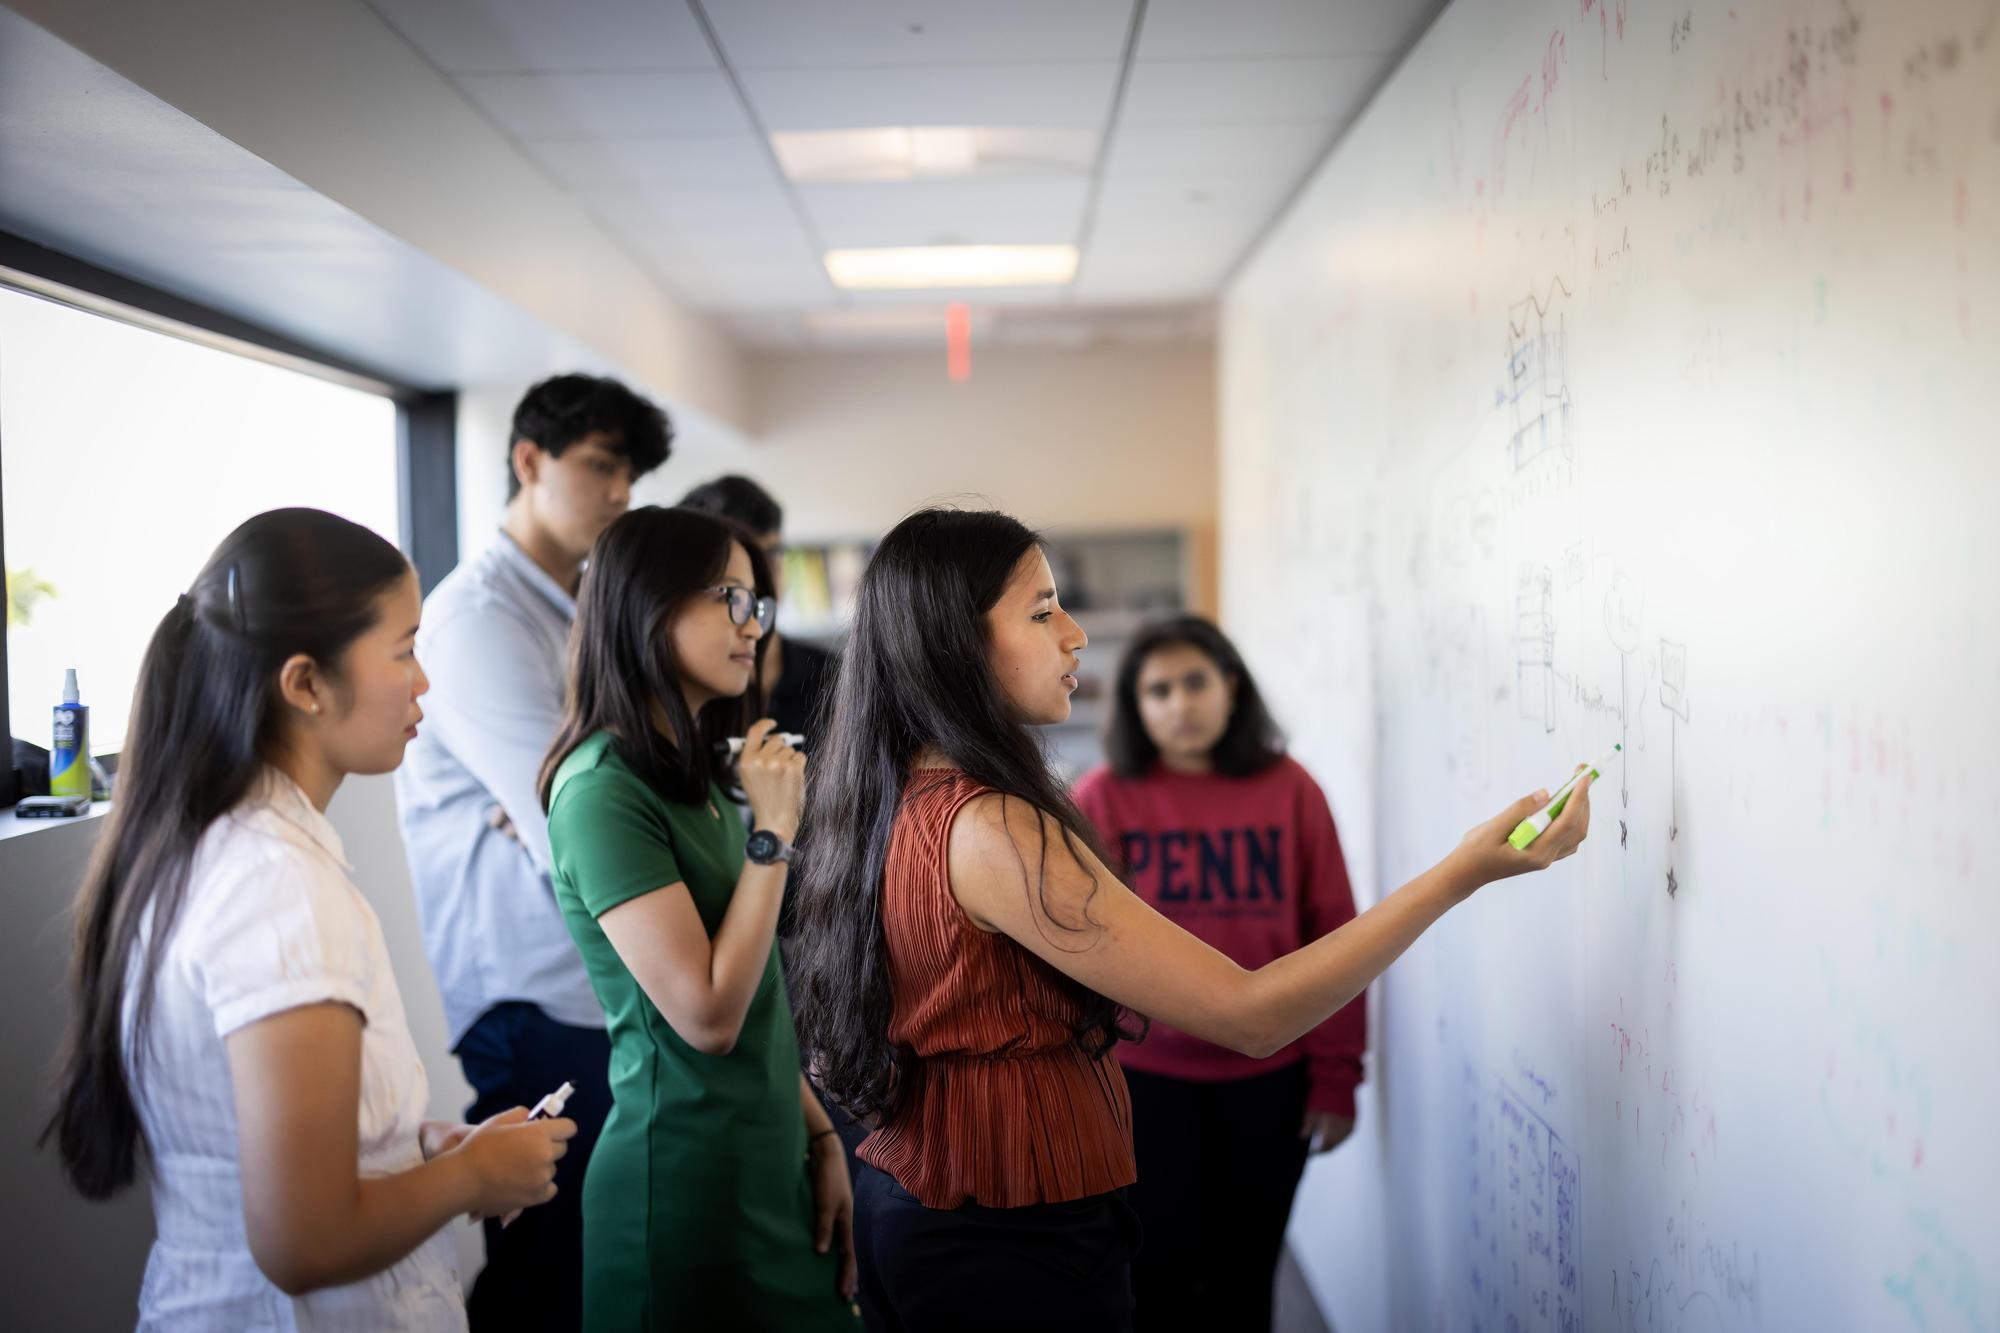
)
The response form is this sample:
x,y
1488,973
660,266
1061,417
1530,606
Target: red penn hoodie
x,y
1252,865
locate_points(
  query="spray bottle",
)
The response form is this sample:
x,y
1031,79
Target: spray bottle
x,y
69,757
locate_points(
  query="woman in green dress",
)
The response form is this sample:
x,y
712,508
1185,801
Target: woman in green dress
x,y
717,1197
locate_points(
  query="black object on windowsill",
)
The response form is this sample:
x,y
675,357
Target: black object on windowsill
x,y
51,807
31,769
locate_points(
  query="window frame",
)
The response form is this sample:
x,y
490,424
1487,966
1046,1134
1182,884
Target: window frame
x,y
426,417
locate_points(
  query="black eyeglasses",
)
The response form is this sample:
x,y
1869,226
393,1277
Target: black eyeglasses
x,y
744,603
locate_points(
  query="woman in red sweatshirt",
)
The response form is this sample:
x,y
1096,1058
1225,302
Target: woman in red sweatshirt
x,y
1231,840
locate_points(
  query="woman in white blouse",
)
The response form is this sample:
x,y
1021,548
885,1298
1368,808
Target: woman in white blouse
x,y
234,1013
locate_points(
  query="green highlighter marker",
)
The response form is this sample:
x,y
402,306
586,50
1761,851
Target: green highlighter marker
x,y
1533,826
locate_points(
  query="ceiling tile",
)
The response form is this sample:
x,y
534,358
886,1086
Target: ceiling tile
x,y
516,36
1137,278
835,99
976,297
1194,29
1327,89
711,289
796,34
771,249
922,326
1140,152
960,230
727,277
1227,107
1200,237
737,159
1167,244
691,207
1146,290
934,153
1179,257
985,212
568,106
1227,203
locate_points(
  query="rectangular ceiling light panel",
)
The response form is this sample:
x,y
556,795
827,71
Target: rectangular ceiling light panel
x,y
932,152
920,267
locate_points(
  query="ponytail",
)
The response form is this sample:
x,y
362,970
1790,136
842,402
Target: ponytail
x,y
205,721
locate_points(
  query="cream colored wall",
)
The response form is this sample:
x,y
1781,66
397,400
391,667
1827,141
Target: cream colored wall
x,y
1098,439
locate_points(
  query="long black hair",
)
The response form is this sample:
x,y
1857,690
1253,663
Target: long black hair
x,y
914,675
1250,744
644,568
206,718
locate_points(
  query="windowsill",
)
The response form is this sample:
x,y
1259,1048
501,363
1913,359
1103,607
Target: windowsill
x,y
13,826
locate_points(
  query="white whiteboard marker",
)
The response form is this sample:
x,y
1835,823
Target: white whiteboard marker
x,y
552,1105
735,743
548,1108
1533,826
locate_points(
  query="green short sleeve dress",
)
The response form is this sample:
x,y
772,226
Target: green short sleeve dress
x,y
697,1205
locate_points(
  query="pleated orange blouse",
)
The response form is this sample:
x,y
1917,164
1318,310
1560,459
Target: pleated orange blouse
x,y
1000,1107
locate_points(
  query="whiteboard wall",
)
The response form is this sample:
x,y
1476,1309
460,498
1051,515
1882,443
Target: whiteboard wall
x,y
1630,373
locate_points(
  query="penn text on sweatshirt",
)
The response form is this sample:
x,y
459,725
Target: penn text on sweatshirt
x,y
1251,865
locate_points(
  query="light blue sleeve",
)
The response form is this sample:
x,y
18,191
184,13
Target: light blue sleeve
x,y
496,703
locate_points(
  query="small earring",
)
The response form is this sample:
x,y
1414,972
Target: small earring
x,y
315,710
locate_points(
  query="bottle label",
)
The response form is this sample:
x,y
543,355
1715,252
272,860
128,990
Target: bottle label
x,y
69,758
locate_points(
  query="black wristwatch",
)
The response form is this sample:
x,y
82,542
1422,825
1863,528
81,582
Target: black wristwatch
x,y
766,848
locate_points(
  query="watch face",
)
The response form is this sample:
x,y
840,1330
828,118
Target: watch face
x,y
762,847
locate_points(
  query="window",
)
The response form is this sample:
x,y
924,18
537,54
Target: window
x,y
126,455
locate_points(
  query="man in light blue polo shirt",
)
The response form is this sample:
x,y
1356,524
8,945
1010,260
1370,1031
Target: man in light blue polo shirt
x,y
494,642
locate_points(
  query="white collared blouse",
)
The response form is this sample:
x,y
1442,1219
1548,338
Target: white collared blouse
x,y
271,922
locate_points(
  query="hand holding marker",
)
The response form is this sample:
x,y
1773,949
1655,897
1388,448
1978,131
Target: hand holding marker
x,y
552,1105
1536,824
548,1108
735,743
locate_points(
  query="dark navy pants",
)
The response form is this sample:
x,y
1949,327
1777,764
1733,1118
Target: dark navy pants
x,y
514,1056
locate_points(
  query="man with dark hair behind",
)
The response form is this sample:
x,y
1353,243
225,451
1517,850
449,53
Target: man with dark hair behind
x,y
797,675
494,642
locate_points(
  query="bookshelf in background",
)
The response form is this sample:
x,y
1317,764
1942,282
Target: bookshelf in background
x,y
1112,582
820,582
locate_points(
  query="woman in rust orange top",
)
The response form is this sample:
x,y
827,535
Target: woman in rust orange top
x,y
965,955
